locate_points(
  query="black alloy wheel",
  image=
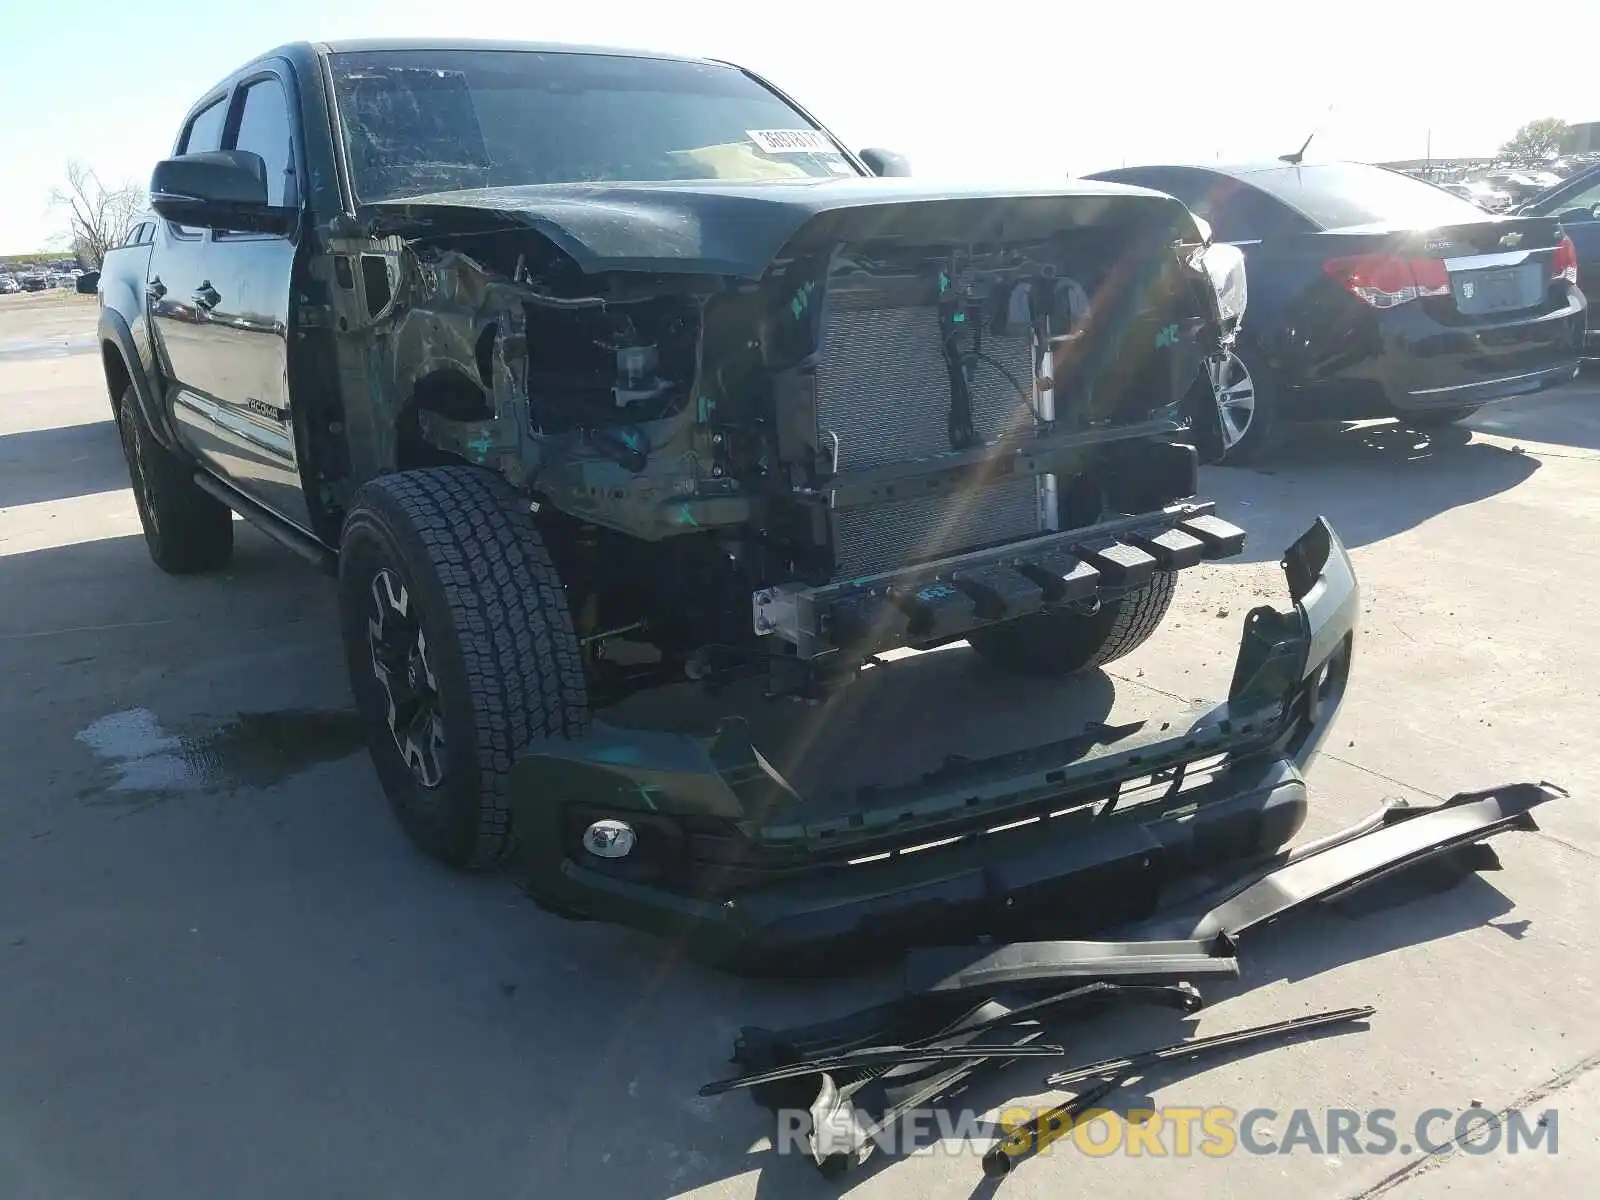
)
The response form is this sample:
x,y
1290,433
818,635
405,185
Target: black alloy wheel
x,y
399,649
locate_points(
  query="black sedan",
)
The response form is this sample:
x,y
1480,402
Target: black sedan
x,y
1575,202
1373,294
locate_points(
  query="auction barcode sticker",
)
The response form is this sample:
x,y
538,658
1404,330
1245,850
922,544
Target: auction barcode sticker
x,y
791,141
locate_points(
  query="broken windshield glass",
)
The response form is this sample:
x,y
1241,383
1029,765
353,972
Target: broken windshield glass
x,y
421,121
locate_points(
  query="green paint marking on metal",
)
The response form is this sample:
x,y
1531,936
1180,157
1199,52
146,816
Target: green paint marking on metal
x,y
686,516
801,301
1167,335
480,445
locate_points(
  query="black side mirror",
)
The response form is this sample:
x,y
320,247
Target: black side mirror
x,y
217,189
88,283
886,163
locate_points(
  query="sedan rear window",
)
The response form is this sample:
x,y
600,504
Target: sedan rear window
x,y
1336,195
421,121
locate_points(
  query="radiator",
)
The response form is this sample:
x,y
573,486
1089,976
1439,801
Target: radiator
x,y
884,393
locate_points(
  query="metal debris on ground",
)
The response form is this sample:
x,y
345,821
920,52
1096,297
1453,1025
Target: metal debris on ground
x,y
966,1009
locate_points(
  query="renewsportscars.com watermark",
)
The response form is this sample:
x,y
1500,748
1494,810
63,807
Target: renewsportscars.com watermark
x,y
1180,1132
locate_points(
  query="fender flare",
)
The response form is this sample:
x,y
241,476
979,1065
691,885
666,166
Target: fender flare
x,y
113,331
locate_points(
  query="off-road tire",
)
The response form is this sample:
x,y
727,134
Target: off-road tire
x,y
500,644
187,530
1062,643
1438,418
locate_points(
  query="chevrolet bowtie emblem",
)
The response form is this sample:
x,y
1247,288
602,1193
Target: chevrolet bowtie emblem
x,y
1511,241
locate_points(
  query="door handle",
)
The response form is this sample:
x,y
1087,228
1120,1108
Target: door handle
x,y
155,289
206,296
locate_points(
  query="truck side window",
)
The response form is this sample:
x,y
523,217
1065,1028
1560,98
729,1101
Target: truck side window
x,y
264,129
205,130
204,133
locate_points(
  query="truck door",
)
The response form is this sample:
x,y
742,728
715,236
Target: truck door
x,y
176,269
242,377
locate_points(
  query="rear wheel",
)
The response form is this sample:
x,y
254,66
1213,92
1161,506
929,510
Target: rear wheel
x,y
186,529
1438,418
1062,642
460,651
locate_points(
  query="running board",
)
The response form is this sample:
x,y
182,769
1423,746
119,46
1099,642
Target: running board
x,y
269,523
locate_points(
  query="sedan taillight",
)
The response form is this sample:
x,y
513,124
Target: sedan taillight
x,y
1389,280
1564,262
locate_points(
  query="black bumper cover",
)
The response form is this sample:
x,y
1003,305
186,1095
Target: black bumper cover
x,y
1091,865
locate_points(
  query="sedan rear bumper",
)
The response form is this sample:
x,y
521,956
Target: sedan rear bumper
x,y
1460,395
1428,365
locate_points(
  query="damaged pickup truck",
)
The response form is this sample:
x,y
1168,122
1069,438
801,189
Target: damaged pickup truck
x,y
591,372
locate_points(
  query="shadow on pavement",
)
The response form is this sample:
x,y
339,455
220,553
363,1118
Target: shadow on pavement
x,y
111,584
1372,481
898,721
1567,416
39,465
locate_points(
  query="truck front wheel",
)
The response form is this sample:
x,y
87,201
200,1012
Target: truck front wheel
x,y
1062,642
460,651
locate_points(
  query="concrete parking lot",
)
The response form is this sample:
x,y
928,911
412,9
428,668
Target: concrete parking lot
x,y
223,972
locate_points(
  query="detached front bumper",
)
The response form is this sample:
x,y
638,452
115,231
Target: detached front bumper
x,y
726,859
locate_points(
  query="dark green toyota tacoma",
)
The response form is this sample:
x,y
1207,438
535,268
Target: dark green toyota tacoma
x,y
593,372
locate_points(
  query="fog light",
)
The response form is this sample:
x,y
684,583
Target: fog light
x,y
609,839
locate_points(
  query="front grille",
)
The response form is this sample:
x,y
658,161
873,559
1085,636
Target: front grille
x,y
884,393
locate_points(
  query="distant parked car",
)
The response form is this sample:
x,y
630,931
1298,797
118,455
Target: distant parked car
x,y
1482,193
1521,186
1575,202
1373,294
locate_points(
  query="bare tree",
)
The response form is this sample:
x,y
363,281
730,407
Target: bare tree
x,y
1536,141
101,217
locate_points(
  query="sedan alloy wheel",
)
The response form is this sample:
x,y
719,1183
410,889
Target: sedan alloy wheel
x,y
1235,394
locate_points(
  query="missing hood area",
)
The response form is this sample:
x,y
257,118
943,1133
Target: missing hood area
x,y
640,355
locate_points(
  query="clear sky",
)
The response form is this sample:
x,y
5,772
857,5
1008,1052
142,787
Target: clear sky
x,y
1015,89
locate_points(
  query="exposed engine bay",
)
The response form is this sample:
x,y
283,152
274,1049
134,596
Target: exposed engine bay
x,y
705,450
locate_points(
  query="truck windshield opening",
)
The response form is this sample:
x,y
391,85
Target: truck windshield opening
x,y
421,121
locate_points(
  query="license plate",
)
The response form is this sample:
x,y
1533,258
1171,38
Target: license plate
x,y
1497,291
